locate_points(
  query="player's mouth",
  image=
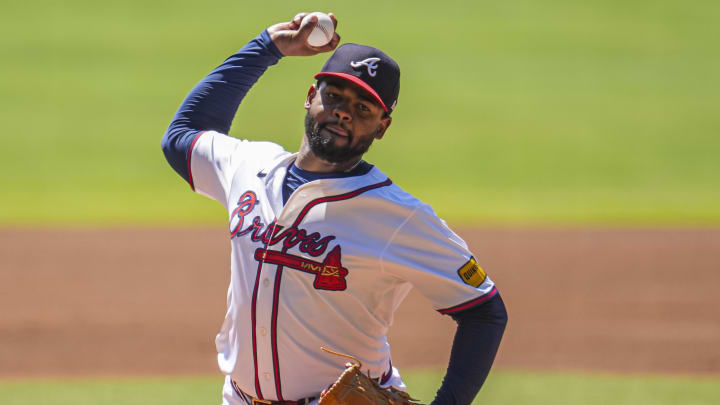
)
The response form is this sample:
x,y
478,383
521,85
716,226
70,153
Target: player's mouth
x,y
337,130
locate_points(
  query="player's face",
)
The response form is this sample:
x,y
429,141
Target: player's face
x,y
342,120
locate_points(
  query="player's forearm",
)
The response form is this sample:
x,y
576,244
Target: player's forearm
x,y
476,342
212,103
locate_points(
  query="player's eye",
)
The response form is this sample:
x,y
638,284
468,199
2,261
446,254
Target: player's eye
x,y
363,108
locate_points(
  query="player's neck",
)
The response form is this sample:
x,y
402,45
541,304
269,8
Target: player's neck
x,y
307,160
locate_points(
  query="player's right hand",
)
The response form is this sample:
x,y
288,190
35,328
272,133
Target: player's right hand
x,y
291,37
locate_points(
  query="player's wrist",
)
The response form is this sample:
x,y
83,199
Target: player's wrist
x,y
266,39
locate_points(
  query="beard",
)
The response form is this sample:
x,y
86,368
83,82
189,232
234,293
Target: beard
x,y
323,145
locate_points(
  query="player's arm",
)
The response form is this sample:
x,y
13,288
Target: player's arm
x,y
212,103
479,331
425,252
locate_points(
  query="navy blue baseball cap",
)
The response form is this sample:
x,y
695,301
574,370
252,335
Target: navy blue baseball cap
x,y
369,68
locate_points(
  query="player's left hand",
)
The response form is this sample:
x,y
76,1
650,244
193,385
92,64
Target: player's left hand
x,y
291,37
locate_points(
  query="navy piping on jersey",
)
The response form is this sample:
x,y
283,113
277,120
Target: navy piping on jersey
x,y
253,304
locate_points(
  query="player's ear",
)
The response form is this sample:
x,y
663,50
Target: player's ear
x,y
384,125
312,92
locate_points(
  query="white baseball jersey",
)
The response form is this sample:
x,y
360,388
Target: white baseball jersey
x,y
328,268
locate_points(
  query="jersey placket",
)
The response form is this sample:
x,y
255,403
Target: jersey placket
x,y
266,300
262,322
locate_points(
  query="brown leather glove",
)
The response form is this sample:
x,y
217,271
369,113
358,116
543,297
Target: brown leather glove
x,y
355,388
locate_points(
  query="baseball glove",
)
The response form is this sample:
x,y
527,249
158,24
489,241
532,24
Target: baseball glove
x,y
355,388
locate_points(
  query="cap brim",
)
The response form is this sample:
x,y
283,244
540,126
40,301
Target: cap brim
x,y
356,80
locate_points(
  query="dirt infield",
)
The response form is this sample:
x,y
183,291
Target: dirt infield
x,y
109,302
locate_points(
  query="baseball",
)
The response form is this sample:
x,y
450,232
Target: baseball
x,y
323,31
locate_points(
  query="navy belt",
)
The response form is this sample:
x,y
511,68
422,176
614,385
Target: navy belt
x,y
255,401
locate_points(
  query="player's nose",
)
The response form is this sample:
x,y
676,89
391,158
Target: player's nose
x,y
342,114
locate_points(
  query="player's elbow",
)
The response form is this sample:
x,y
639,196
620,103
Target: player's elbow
x,y
164,142
168,143
175,139
492,312
176,144
173,134
499,311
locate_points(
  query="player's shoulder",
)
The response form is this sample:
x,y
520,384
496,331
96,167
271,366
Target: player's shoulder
x,y
405,218
224,140
398,199
218,144
411,219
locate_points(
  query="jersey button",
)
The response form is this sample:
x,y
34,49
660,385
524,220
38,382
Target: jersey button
x,y
266,282
267,376
263,331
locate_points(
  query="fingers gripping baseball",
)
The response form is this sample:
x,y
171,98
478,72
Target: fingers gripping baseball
x,y
291,37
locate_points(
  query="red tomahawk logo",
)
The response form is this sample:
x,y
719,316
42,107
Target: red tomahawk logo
x,y
329,275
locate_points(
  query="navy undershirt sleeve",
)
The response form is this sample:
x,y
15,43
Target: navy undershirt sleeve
x,y
476,342
212,103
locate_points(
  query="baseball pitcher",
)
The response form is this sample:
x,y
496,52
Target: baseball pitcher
x,y
324,245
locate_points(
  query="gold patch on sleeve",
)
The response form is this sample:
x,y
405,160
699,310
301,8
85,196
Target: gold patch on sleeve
x,y
471,273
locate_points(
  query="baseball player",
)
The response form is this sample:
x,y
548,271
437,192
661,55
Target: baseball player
x,y
324,245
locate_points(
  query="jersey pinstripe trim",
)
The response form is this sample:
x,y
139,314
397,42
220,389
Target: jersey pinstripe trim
x,y
258,391
273,332
189,159
338,197
469,304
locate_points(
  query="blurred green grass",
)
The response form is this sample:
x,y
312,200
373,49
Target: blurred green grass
x,y
560,112
510,388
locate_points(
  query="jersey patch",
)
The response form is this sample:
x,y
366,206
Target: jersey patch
x,y
471,273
